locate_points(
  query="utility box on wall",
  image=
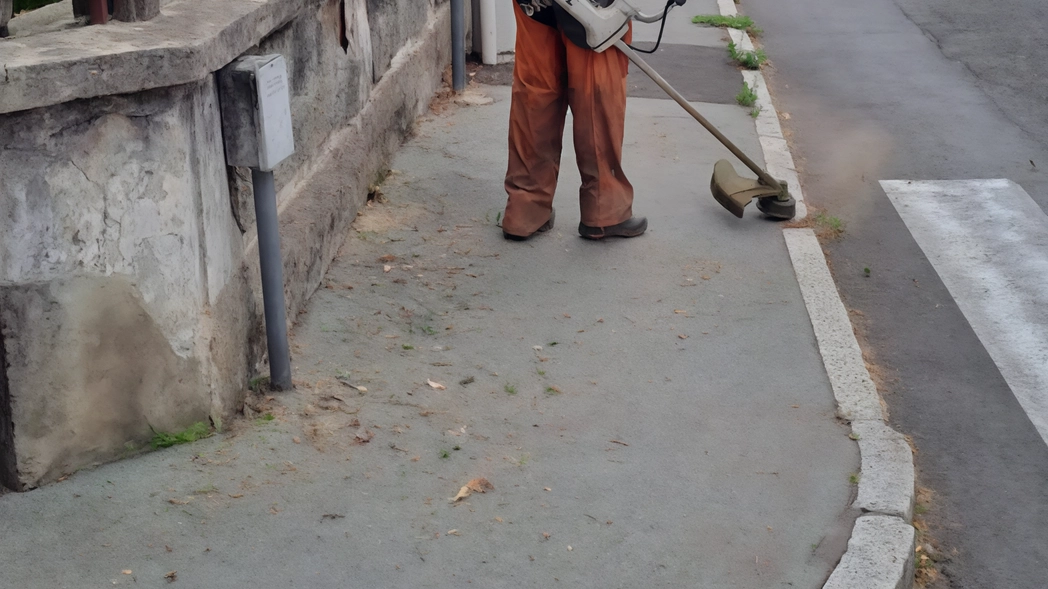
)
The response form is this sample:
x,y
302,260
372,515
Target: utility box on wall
x,y
256,112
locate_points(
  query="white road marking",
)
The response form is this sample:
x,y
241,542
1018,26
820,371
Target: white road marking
x,y
988,241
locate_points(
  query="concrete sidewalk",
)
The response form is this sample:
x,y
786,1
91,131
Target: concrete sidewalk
x,y
650,412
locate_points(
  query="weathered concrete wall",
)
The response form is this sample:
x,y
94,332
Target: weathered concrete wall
x,y
129,290
116,198
8,464
6,8
92,366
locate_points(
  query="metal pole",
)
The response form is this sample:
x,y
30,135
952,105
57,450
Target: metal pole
x,y
489,49
458,46
272,267
765,177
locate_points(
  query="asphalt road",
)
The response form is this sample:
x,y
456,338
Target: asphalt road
x,y
926,90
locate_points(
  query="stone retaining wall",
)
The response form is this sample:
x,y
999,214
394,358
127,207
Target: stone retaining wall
x,y
129,295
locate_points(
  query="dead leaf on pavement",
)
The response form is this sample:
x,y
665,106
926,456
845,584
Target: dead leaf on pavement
x,y
680,311
126,571
462,494
618,442
436,385
296,440
480,485
236,495
387,268
387,258
454,533
180,501
171,577
682,336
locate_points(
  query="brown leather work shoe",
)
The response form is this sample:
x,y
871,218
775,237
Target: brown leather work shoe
x,y
545,227
631,227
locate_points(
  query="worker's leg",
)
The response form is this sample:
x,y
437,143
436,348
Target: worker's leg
x,y
536,125
597,95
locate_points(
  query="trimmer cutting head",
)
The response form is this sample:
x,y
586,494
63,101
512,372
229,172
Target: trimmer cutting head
x,y
734,192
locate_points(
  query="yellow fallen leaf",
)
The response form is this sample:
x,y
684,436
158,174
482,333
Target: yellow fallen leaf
x,y
462,494
436,385
480,485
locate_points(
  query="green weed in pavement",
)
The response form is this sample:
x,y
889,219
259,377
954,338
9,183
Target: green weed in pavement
x,y
746,96
751,60
197,431
739,21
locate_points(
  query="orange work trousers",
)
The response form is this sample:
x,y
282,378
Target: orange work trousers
x,y
550,75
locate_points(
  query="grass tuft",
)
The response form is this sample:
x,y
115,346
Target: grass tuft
x,y
751,60
746,96
197,431
830,225
739,21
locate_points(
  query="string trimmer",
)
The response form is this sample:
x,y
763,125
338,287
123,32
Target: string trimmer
x,y
605,22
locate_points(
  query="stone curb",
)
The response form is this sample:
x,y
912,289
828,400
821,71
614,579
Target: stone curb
x,y
879,556
880,553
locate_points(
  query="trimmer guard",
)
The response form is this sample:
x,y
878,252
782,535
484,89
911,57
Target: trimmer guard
x,y
734,192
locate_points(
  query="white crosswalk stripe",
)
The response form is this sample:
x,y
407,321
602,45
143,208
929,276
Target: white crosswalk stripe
x,y
988,241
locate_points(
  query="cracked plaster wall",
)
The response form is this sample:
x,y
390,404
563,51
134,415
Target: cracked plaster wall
x,y
129,194
129,290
